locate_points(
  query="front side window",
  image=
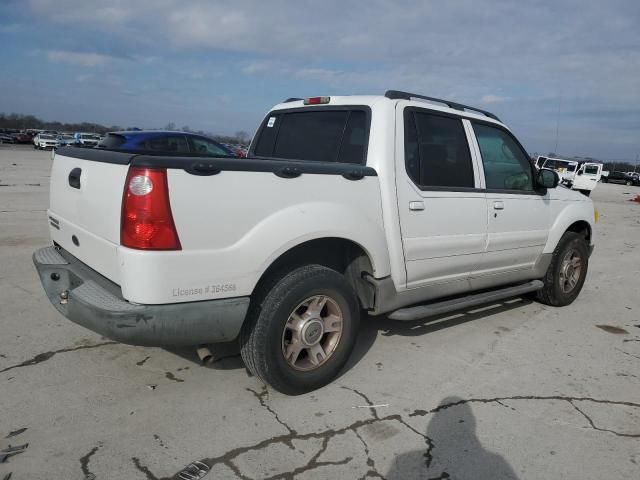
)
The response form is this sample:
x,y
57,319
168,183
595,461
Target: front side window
x,y
436,151
315,135
591,170
506,166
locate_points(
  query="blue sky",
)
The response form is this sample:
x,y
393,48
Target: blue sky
x,y
220,65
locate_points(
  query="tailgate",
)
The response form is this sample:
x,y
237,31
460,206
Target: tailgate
x,y
85,206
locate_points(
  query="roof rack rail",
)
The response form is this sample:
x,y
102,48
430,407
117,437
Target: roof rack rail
x,y
292,99
399,95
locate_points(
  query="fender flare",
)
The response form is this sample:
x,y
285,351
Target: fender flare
x,y
572,213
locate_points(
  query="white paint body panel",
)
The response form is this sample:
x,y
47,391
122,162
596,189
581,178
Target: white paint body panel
x,y
234,225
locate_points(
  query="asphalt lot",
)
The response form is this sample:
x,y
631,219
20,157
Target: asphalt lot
x,y
514,390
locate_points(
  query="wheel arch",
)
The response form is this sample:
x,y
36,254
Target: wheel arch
x,y
576,218
346,256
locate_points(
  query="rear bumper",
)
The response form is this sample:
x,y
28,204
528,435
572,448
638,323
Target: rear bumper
x,y
97,304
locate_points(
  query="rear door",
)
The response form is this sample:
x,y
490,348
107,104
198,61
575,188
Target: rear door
x,y
442,209
518,216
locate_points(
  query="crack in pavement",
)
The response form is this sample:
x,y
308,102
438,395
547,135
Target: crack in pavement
x,y
370,461
228,457
261,398
43,357
311,464
143,361
144,469
365,398
618,434
84,463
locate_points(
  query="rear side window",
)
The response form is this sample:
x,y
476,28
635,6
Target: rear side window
x,y
591,170
112,140
436,151
315,135
506,167
171,144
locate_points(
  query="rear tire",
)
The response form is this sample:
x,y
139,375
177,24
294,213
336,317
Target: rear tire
x,y
567,272
628,183
290,317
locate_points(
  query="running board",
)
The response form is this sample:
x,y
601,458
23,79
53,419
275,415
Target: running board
x,y
422,311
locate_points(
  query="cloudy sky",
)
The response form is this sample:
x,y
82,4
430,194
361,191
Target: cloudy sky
x,y
219,65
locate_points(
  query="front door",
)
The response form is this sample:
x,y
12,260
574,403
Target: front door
x,y
518,215
587,176
443,212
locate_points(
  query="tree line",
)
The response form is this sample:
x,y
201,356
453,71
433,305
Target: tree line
x,y
22,122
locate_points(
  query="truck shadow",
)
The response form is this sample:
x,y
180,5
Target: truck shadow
x,y
226,356
371,327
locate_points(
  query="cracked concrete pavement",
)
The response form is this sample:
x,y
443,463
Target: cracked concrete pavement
x,y
513,390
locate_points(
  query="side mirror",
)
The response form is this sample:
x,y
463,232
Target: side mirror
x,y
547,178
580,172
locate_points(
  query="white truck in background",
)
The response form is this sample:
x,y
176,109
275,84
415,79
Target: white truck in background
x,y
399,205
578,175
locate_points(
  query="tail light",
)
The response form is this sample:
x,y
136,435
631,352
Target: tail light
x,y
147,223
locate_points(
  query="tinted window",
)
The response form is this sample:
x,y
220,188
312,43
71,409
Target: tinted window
x,y
316,135
591,169
505,164
174,143
202,146
436,151
112,141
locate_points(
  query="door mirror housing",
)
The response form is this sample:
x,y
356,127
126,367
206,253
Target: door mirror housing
x,y
547,178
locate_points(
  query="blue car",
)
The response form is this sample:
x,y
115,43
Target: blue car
x,y
164,142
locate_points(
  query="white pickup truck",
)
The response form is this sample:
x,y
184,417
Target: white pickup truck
x,y
399,204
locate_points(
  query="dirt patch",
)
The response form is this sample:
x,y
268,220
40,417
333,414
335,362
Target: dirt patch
x,y
613,329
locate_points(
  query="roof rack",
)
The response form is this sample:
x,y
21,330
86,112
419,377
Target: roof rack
x,y
292,99
399,95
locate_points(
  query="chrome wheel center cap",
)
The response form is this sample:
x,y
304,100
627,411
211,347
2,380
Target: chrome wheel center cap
x,y
312,331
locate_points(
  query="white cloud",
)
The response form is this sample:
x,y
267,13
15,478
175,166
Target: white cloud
x,y
79,58
490,98
256,67
509,55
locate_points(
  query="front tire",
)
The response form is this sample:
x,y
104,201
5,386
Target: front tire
x,y
628,183
567,272
301,329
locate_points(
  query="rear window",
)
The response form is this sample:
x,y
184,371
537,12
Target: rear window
x,y
316,135
112,140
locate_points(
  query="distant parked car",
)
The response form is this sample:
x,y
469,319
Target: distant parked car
x,y
86,139
23,137
165,141
46,141
5,138
622,177
65,140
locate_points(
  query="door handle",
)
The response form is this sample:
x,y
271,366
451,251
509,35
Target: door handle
x,y
498,205
416,206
